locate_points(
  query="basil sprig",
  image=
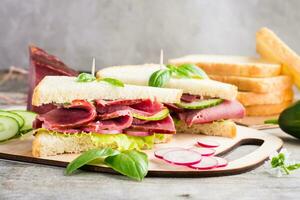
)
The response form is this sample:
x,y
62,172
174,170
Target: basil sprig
x,y
112,81
160,77
131,163
85,77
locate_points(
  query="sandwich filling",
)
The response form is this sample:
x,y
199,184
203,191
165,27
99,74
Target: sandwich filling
x,y
132,118
195,109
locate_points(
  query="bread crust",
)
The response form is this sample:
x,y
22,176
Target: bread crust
x,y
258,85
204,87
276,97
270,46
53,89
267,109
47,144
226,128
231,65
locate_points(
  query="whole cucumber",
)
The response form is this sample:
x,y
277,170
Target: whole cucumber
x,y
289,120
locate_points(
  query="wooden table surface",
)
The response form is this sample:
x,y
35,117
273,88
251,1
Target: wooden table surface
x,y
33,181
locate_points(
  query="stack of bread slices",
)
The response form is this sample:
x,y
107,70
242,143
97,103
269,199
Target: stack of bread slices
x,y
265,83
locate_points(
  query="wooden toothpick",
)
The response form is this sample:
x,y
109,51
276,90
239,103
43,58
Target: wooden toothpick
x,y
93,67
161,58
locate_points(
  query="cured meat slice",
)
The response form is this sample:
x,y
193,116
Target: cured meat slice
x,y
79,113
119,123
162,126
43,64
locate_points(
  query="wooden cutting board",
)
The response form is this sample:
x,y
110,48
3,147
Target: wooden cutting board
x,y
20,150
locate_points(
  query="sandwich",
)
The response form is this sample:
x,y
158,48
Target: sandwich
x,y
100,113
206,106
262,89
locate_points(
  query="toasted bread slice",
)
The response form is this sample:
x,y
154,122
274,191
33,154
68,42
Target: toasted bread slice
x,y
140,74
271,47
231,65
45,144
259,85
226,128
276,97
267,109
62,89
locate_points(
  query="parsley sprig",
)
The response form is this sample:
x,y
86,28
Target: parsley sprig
x,y
160,77
280,164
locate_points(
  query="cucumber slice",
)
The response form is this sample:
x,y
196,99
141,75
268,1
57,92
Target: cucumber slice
x,y
157,116
9,128
200,104
28,117
16,116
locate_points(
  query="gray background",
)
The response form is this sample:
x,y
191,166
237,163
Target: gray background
x,y
134,31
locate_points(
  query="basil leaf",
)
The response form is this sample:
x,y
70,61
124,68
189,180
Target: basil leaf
x,y
114,82
88,157
85,77
131,163
194,70
181,72
159,78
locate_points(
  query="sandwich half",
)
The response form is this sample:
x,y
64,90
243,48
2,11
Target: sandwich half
x,y
206,106
97,114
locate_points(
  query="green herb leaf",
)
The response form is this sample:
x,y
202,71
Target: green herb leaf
x,y
271,121
133,164
293,167
112,81
193,70
159,78
85,77
88,157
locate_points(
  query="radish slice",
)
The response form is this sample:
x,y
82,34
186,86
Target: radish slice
x,y
182,157
222,162
161,152
205,164
208,143
204,151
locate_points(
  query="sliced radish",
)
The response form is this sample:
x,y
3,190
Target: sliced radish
x,y
208,143
222,162
161,152
182,157
204,151
205,164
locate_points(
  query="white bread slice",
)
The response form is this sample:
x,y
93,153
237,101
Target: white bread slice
x,y
45,144
62,89
140,74
259,85
267,109
226,128
276,97
270,46
231,65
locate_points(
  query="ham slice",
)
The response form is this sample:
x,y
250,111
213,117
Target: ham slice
x,y
226,110
162,126
79,113
43,64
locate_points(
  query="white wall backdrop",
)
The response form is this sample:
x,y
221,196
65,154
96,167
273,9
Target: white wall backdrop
x,y
134,31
